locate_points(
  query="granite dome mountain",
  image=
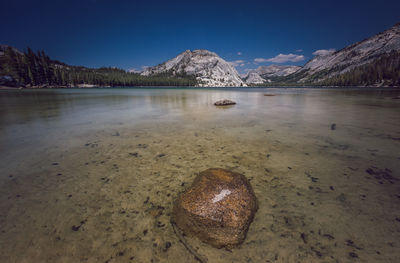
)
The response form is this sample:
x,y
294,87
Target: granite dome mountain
x,y
209,69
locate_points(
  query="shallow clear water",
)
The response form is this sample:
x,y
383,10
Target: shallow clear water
x,y
91,175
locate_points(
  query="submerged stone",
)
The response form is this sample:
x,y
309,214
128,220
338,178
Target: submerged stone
x,y
218,208
224,103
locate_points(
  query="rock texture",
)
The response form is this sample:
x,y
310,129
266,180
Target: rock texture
x,y
263,74
218,208
224,103
210,70
254,78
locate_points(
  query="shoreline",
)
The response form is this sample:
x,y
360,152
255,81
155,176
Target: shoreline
x,y
150,87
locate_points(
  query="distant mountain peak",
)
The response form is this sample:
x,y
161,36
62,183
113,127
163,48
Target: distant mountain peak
x,y
210,69
263,74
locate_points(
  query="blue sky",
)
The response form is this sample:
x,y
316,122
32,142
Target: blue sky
x,y
133,34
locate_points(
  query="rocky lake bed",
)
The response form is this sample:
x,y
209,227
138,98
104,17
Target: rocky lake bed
x,y
92,175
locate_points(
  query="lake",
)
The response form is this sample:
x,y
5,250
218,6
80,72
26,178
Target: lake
x,y
90,175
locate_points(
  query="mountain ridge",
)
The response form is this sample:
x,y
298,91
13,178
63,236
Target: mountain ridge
x,y
374,61
264,74
351,57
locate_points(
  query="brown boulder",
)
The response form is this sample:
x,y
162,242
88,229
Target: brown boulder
x,y
218,208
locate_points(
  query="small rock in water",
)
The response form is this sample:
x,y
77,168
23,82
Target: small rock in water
x,y
76,228
167,246
224,103
333,126
218,208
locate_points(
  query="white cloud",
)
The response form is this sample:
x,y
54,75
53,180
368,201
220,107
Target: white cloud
x,y
281,58
299,50
239,53
324,52
237,63
260,60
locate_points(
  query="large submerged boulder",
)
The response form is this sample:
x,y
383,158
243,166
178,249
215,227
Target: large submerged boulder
x,y
217,208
